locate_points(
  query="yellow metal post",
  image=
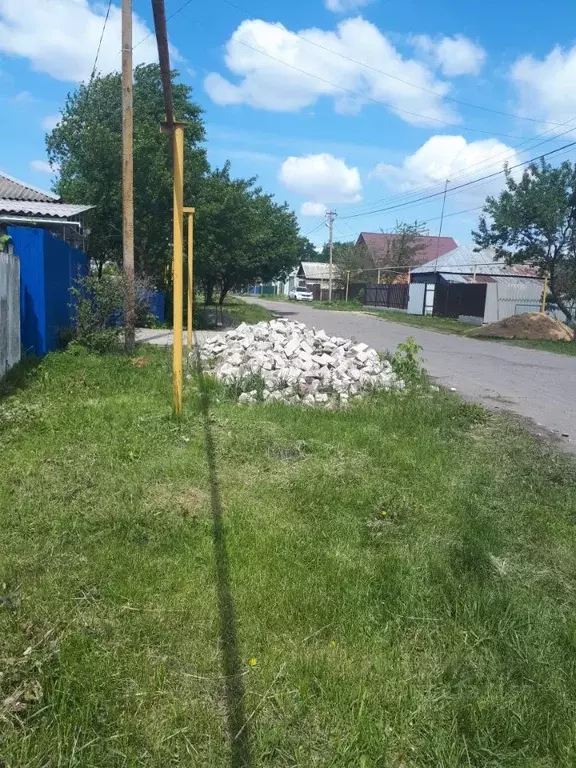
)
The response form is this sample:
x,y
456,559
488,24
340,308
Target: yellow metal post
x,y
544,293
178,267
347,283
190,212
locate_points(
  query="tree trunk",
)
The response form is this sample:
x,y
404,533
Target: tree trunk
x,y
223,293
561,304
208,293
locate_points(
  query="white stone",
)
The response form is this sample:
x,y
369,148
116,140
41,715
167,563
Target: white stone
x,y
296,363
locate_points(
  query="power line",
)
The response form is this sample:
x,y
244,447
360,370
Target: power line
x,y
399,79
314,229
360,95
462,186
374,101
167,20
487,163
100,41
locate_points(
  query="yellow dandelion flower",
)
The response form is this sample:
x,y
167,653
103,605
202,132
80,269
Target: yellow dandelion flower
x,y
253,661
332,643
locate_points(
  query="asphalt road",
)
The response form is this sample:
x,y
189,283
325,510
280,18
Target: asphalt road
x,y
540,387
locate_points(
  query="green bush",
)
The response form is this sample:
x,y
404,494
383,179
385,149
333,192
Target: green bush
x,y
407,363
98,310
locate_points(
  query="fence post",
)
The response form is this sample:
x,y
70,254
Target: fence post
x,y
347,283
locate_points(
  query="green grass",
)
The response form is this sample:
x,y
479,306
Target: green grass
x,y
236,309
402,573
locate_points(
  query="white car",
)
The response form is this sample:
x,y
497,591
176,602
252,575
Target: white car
x,y
300,294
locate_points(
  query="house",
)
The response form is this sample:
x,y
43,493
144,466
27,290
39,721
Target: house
x,y
25,205
311,273
465,283
379,244
46,236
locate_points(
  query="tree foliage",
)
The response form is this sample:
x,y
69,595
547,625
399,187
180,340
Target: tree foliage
x,y
403,248
353,259
86,146
242,234
533,221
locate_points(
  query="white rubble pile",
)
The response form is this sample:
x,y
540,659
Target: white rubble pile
x,y
298,364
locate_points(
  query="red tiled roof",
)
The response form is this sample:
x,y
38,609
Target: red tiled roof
x,y
379,243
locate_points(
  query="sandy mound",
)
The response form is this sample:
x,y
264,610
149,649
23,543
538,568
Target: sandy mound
x,y
531,325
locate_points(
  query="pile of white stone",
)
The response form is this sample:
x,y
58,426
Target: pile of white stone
x,y
297,364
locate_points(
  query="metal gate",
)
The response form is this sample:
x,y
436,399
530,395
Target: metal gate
x,y
455,299
392,296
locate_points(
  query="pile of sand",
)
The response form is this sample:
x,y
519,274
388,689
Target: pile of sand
x,y
531,325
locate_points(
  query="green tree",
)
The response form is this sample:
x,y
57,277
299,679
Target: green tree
x,y
533,221
402,249
242,235
353,259
308,251
86,146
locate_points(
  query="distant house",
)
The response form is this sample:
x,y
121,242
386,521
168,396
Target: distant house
x,y
311,273
22,204
474,284
379,244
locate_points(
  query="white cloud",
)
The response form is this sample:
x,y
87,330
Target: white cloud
x,y
312,209
42,166
545,86
50,121
454,55
322,178
449,157
267,83
60,37
345,6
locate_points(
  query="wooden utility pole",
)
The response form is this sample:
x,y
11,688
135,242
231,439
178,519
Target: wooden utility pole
x,y
331,215
127,175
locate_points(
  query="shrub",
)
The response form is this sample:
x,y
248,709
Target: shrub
x,y
99,308
407,363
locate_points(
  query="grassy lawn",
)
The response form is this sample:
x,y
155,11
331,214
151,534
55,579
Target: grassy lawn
x,y
393,585
431,323
236,309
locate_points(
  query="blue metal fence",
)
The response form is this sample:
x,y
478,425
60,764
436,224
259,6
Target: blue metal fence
x,y
48,269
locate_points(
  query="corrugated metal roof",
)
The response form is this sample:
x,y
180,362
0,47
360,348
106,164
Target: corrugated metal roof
x,y
12,189
465,260
317,270
30,208
451,278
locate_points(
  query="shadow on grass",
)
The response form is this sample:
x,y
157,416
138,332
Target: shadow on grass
x,y
21,376
238,731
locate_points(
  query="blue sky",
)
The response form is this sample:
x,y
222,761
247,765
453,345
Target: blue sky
x,y
348,104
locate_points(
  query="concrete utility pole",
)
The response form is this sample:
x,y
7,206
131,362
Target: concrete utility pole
x,y
330,215
127,175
